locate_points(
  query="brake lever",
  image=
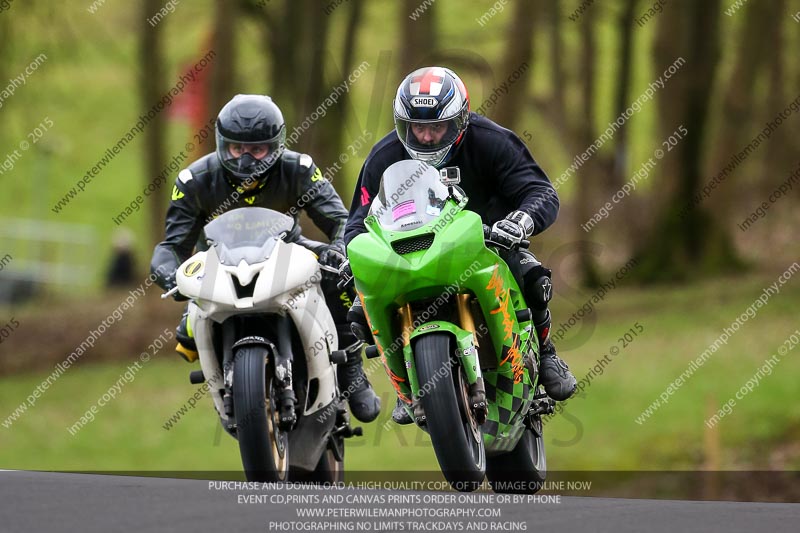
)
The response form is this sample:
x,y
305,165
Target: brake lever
x,y
495,244
346,276
328,268
523,243
169,293
345,282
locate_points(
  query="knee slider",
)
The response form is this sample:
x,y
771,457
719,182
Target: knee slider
x,y
538,288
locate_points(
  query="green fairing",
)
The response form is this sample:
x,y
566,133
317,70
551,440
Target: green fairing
x,y
457,261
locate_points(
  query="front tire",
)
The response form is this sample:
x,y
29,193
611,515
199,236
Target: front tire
x,y
455,434
264,447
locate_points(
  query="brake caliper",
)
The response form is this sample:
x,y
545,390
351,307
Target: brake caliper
x,y
286,412
286,400
477,401
419,413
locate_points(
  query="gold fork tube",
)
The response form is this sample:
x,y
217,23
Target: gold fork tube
x,y
406,323
465,316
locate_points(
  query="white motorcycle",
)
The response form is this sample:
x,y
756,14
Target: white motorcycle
x,y
268,347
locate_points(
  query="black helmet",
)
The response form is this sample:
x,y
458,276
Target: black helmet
x,y
431,114
251,136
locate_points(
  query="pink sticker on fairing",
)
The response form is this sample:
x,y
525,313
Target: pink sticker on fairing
x,y
404,209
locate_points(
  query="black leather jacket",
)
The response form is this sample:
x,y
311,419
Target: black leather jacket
x,y
203,191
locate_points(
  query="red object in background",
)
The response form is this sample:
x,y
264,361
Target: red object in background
x,y
192,103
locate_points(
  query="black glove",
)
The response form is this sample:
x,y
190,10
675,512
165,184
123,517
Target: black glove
x,y
333,255
512,230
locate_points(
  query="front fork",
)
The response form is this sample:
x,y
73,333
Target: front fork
x,y
467,342
282,360
477,390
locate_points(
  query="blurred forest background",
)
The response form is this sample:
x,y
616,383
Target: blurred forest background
x,y
558,72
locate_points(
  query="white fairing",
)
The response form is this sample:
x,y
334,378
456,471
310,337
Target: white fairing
x,y
287,282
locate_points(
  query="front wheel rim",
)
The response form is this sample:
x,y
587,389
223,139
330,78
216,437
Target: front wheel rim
x,y
277,439
471,428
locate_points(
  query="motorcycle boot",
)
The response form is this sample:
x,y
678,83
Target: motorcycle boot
x,y
400,415
358,322
558,381
186,347
364,403
535,280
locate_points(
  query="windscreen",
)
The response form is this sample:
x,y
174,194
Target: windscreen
x,y
247,233
410,196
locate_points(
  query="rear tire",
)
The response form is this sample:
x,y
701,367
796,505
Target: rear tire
x,y
263,446
456,436
328,471
523,470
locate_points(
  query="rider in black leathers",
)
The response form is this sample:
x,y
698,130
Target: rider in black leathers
x,y
252,167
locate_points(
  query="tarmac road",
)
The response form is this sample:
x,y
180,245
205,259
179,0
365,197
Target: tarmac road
x,y
45,502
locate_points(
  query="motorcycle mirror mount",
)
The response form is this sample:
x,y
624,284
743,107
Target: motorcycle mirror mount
x,y
455,193
450,176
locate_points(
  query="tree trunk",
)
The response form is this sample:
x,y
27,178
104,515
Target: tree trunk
x,y
556,62
618,167
330,133
296,39
224,68
283,33
5,46
587,134
517,64
5,60
737,124
553,107
418,37
151,88
625,29
778,158
317,139
343,113
686,241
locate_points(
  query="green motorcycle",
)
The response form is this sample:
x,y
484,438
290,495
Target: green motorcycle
x,y
452,330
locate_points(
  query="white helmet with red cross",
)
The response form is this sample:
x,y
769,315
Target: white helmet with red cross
x,y
431,114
